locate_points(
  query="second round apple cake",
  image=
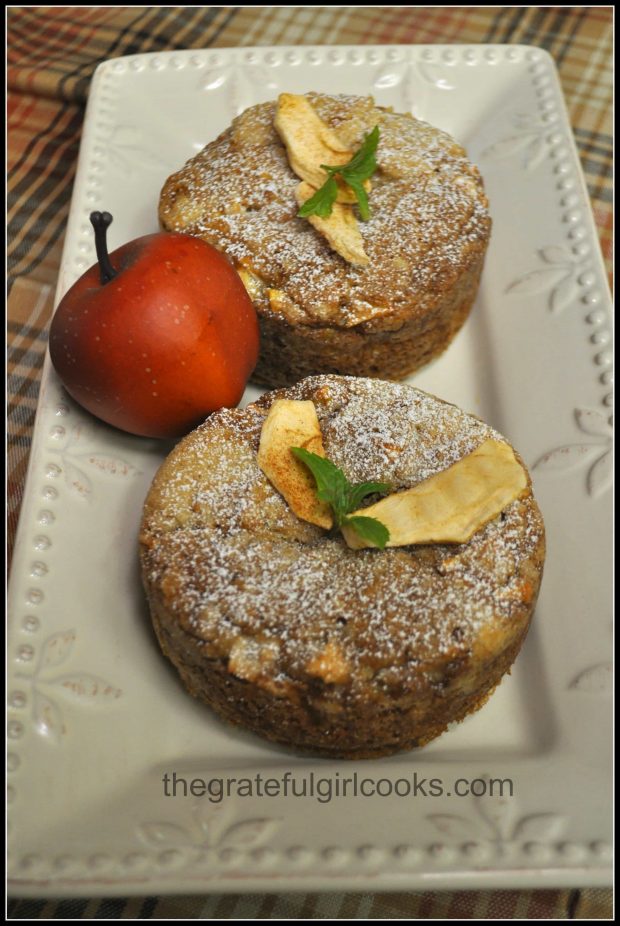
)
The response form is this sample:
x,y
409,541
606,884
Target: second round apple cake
x,y
282,627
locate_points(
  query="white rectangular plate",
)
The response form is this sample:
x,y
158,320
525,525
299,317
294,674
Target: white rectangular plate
x,y
97,716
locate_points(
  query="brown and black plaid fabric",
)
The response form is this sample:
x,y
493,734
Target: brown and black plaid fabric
x,y
450,905
52,53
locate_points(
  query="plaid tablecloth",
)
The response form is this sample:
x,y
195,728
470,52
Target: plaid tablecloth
x,y
52,53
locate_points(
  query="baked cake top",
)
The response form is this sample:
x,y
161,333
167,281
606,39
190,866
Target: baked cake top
x,y
241,573
429,216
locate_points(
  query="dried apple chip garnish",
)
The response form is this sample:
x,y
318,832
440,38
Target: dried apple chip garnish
x,y
340,228
333,178
452,505
292,423
449,507
310,142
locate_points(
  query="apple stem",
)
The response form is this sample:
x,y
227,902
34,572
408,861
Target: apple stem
x,y
100,222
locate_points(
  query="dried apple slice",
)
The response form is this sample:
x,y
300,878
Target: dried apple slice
x,y
452,505
292,423
310,142
340,228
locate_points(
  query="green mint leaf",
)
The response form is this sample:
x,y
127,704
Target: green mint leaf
x,y
369,529
360,168
322,201
354,183
334,488
363,164
358,493
331,482
362,198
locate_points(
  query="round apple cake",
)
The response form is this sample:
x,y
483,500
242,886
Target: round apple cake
x,y
425,241
282,628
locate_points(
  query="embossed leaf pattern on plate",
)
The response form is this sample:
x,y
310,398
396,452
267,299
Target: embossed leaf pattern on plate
x,y
399,75
596,679
78,465
239,85
208,829
459,828
131,150
55,650
390,75
81,686
159,835
86,687
493,822
596,456
542,827
559,278
47,716
529,139
435,75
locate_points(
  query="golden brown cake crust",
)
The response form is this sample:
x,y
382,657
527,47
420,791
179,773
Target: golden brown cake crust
x,y
426,241
279,627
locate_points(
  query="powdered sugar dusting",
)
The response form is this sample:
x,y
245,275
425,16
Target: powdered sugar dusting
x,y
232,561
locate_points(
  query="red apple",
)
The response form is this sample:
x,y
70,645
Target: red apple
x,y
156,335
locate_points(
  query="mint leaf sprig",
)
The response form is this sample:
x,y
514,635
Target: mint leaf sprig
x,y
343,496
355,172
